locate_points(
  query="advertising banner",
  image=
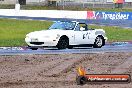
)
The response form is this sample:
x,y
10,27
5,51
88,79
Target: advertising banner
x,y
118,1
109,15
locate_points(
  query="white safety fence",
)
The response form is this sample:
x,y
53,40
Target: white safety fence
x,y
44,13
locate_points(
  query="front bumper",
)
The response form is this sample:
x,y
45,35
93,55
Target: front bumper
x,y
41,42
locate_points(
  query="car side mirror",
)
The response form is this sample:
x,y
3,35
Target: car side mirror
x,y
82,29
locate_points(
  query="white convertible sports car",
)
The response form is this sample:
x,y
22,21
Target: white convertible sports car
x,y
66,34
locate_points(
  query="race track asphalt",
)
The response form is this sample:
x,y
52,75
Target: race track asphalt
x,y
114,47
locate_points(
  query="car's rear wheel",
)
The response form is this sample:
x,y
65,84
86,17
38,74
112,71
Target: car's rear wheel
x,y
63,43
98,42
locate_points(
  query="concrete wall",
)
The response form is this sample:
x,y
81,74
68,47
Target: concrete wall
x,y
66,14
44,13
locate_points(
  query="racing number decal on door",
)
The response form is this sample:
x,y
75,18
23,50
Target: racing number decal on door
x,y
85,36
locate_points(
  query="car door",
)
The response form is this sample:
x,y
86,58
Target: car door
x,y
86,36
79,36
92,36
89,36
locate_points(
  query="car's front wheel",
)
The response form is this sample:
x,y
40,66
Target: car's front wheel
x,y
63,43
98,42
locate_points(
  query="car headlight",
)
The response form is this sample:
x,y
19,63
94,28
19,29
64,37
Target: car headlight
x,y
27,36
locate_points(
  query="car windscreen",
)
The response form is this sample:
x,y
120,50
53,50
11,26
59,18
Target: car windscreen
x,y
63,25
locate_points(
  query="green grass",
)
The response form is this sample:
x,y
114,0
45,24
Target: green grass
x,y
13,32
74,8
4,6
77,8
